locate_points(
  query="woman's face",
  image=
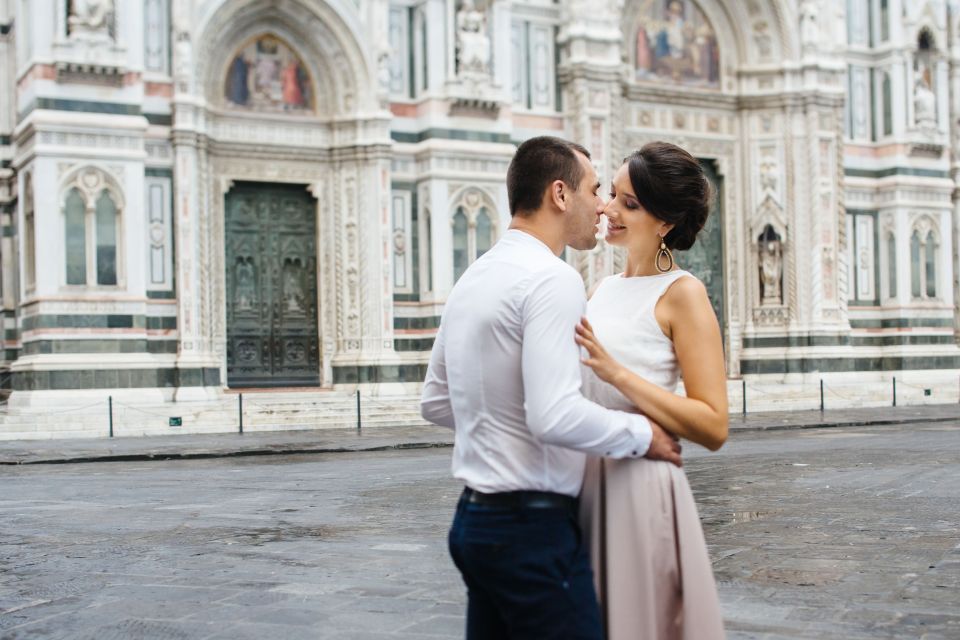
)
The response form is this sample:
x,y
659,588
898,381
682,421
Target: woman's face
x,y
628,223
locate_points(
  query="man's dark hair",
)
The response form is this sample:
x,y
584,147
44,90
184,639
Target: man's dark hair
x,y
538,162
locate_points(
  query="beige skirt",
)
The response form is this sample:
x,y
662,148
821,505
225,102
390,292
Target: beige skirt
x,y
649,555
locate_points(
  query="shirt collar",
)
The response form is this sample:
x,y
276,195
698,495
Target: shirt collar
x,y
518,236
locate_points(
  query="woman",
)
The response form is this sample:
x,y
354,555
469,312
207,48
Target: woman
x,y
644,328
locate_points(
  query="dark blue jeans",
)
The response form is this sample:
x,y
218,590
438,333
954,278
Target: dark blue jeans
x,y
527,574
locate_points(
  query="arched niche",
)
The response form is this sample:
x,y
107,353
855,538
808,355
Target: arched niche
x,y
333,67
702,43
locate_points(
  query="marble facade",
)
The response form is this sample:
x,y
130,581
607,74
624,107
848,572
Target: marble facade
x,y
830,129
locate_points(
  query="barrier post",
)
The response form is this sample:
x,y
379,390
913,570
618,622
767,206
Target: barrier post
x,y
240,411
358,410
110,410
821,395
894,390
744,386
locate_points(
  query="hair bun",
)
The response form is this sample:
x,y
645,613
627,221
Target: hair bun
x,y
671,185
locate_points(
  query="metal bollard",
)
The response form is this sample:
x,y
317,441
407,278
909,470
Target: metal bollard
x,y
821,395
894,390
110,409
240,411
358,410
744,383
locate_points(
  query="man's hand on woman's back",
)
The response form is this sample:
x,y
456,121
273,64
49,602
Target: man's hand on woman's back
x,y
663,446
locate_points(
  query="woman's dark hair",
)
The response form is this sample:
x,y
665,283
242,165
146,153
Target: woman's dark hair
x,y
671,185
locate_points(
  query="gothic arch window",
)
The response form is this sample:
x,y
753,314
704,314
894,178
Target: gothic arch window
x,y
29,235
474,231
930,266
92,213
924,253
675,43
76,237
106,239
266,74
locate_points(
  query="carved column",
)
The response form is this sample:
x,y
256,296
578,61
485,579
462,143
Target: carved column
x,y
193,193
589,76
8,186
954,132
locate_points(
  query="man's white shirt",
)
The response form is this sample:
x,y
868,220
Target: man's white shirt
x,y
505,374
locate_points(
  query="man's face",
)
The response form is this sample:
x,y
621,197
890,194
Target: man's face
x,y
584,206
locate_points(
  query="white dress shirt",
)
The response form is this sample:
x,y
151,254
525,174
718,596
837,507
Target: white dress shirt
x,y
505,374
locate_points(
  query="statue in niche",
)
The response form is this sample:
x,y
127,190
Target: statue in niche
x,y
90,20
769,172
292,285
771,267
924,104
473,43
809,27
245,289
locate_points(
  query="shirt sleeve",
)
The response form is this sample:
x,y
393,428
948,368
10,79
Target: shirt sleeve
x,y
557,412
435,404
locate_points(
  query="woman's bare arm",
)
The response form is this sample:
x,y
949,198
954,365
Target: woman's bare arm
x,y
701,416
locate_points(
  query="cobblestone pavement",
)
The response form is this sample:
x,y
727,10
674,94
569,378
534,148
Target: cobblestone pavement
x,y
833,533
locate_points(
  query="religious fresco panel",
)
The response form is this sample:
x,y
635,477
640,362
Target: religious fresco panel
x,y
266,75
676,43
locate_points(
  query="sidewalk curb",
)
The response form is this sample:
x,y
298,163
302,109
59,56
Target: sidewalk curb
x,y
844,423
278,450
241,453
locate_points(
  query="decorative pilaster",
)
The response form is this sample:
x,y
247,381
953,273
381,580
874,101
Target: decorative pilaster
x,y
954,131
590,77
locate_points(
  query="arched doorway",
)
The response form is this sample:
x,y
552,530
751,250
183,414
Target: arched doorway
x,y
281,170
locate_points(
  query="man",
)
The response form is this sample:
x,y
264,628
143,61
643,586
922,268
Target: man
x,y
505,373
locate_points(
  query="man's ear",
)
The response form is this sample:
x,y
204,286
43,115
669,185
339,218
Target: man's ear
x,y
558,194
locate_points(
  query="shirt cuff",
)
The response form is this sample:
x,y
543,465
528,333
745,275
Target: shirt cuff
x,y
642,434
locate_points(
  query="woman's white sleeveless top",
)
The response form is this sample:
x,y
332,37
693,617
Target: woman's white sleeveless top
x,y
621,311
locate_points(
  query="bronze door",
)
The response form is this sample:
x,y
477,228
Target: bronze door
x,y
271,276
705,258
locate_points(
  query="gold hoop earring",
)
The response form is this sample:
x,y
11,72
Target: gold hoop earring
x,y
662,253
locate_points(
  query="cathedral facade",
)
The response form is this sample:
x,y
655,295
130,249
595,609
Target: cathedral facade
x,y
202,195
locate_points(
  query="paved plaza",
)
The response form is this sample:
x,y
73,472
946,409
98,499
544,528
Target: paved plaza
x,y
819,533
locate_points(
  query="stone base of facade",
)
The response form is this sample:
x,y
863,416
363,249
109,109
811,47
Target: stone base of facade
x,y
46,414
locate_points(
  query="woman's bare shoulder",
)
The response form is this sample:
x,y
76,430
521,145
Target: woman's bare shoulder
x,y
687,294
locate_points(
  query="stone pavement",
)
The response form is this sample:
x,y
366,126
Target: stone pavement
x,y
818,533
385,438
